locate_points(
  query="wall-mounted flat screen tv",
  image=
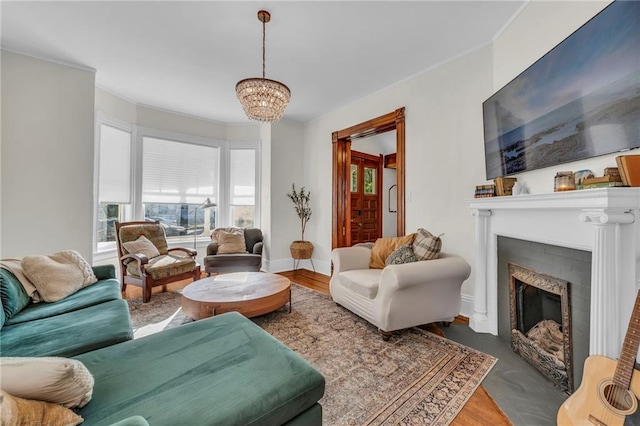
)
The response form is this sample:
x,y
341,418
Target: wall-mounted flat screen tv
x,y
580,100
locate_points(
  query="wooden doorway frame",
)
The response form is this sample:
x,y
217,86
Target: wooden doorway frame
x,y
341,141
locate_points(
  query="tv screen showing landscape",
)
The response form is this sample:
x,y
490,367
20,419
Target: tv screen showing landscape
x,y
580,100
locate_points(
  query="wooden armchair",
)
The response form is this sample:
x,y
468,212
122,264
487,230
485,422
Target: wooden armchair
x,y
146,261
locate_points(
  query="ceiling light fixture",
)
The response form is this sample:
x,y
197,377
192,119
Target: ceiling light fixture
x,y
263,99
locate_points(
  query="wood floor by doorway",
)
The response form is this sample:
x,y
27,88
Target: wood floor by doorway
x,y
479,410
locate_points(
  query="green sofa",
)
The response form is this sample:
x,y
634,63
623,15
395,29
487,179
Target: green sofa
x,y
223,370
92,318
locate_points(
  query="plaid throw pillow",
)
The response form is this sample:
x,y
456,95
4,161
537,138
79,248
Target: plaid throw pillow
x,y
426,246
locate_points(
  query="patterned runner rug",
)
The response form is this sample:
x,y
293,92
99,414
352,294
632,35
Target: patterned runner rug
x,y
416,378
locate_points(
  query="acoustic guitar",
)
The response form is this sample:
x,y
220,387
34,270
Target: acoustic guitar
x,y
609,389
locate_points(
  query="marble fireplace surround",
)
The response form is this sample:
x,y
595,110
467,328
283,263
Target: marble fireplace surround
x,y
604,221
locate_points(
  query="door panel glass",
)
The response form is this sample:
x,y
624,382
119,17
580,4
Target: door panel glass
x,y
369,180
354,178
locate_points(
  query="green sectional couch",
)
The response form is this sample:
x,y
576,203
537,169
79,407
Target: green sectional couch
x,y
223,370
92,318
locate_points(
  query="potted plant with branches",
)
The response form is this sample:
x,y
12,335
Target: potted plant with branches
x,y
301,249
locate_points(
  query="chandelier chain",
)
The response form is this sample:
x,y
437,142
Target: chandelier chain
x,y
263,48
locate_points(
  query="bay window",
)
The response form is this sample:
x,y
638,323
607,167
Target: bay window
x,y
156,175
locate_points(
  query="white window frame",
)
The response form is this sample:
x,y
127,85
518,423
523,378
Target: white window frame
x,y
104,119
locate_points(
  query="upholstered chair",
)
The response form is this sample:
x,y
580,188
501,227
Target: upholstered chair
x,y
146,261
397,296
248,258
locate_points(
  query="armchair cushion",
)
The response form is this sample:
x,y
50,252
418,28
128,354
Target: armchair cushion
x,y
364,282
383,247
164,266
154,232
142,245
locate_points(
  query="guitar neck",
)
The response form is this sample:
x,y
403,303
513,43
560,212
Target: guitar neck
x,y
624,369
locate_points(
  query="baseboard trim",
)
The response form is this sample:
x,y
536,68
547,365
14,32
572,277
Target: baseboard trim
x,y
466,306
284,265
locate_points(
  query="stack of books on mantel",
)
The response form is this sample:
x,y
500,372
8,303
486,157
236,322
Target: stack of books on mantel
x,y
484,191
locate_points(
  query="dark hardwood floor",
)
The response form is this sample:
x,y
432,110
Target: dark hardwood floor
x,y
479,410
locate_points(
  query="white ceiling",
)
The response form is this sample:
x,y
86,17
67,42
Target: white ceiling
x,y
187,56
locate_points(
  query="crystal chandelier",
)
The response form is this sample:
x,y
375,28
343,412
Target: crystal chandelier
x,y
263,99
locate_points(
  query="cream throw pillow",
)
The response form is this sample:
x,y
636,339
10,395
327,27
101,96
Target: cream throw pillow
x,y
230,240
383,247
59,380
229,243
143,246
58,275
15,411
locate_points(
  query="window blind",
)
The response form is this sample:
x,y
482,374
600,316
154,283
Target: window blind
x,y
243,177
114,180
177,172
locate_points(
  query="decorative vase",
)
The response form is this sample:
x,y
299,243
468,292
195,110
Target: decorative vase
x,y
301,249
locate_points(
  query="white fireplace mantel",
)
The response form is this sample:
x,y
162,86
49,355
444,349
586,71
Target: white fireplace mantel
x,y
602,221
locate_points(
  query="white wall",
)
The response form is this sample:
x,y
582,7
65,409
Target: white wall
x,y
115,106
145,116
265,191
524,42
444,149
286,168
47,157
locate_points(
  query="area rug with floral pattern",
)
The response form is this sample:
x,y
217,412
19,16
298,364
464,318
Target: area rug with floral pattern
x,y
415,378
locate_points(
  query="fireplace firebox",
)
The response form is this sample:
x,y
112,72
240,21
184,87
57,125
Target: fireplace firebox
x,y
540,316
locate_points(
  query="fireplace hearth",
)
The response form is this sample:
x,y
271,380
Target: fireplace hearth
x,y
540,317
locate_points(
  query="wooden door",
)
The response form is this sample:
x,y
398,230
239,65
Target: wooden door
x,y
341,163
366,198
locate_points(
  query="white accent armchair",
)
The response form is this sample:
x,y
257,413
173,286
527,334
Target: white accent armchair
x,y
398,296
